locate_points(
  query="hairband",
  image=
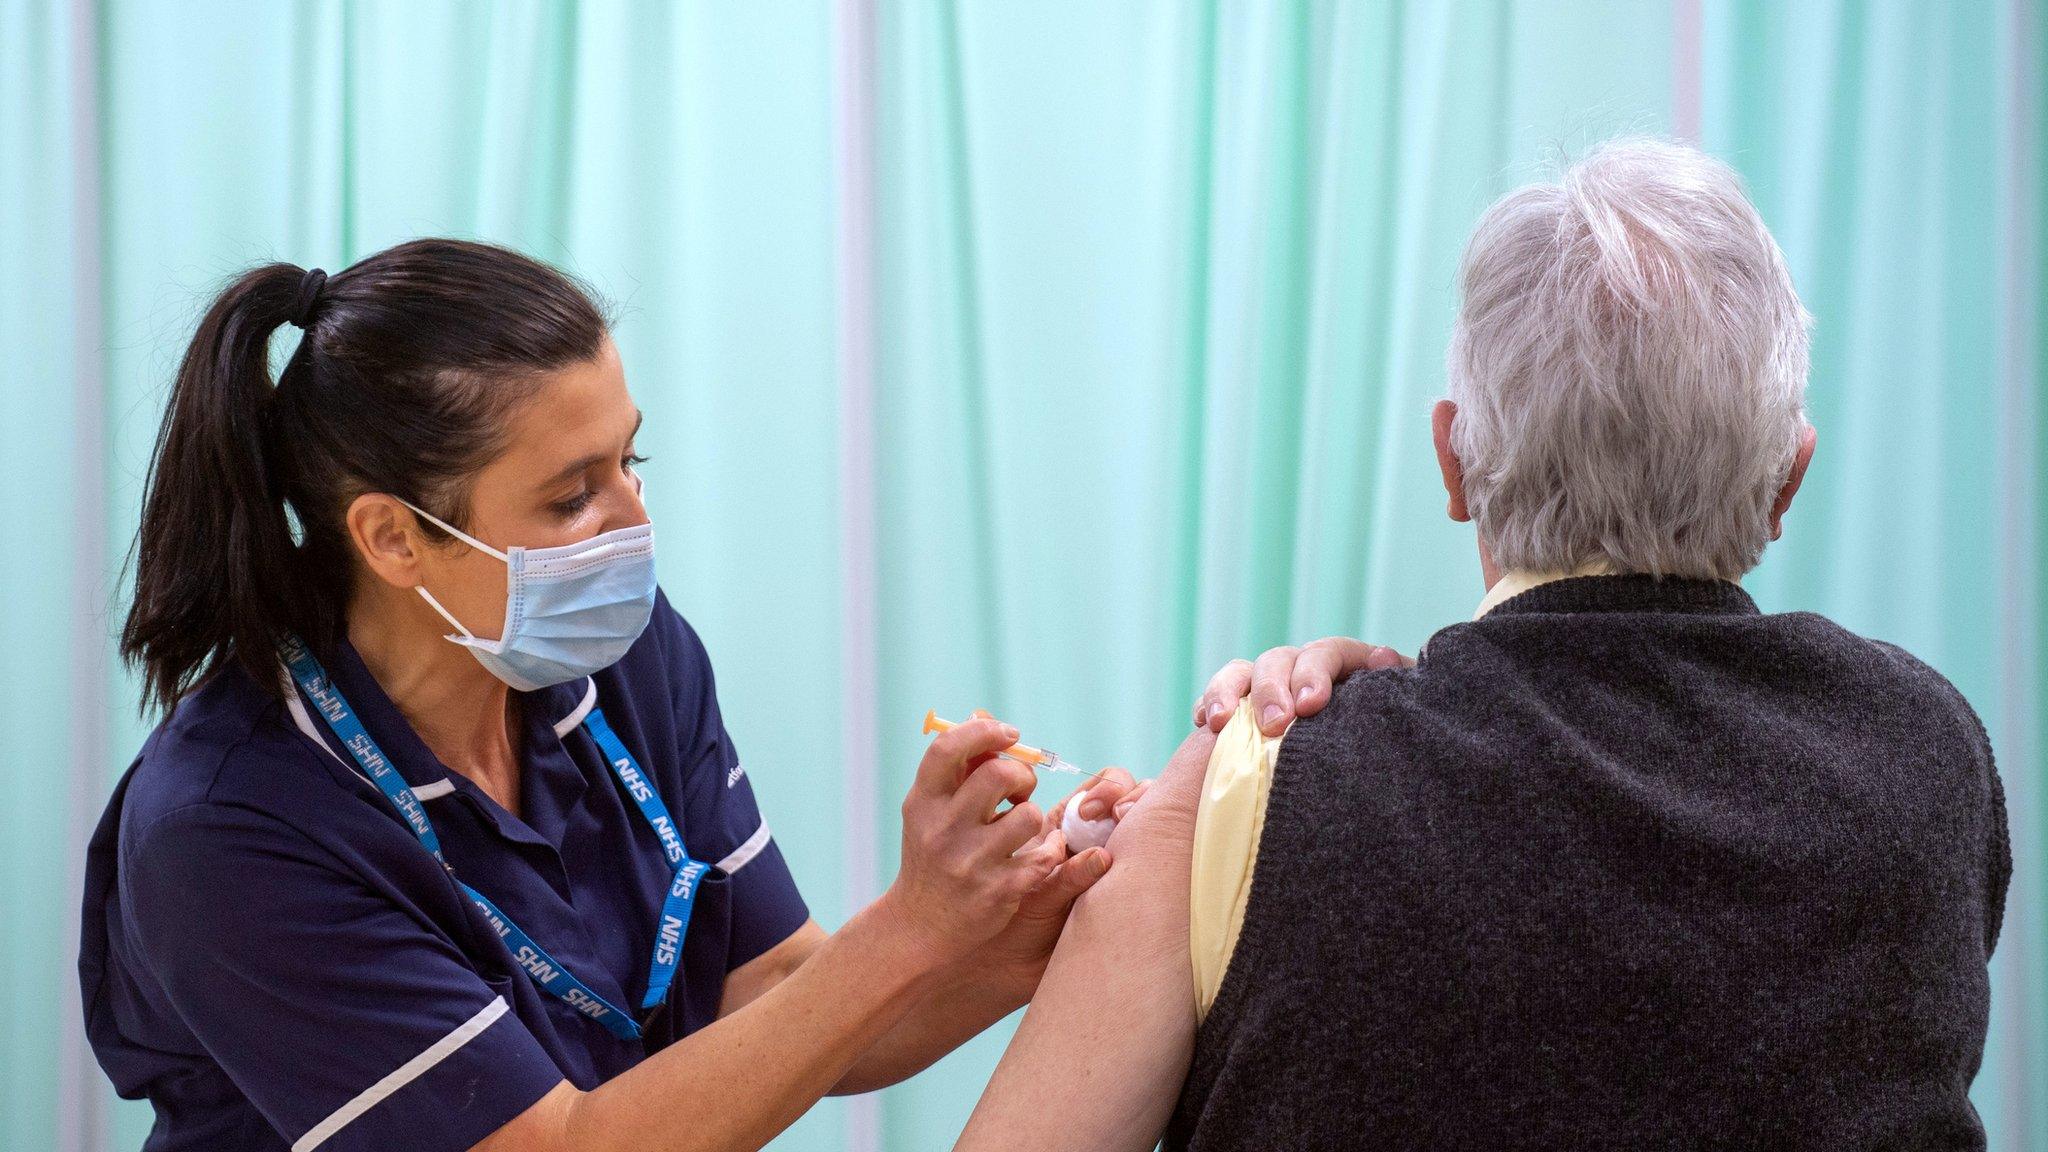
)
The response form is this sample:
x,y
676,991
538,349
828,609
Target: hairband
x,y
308,298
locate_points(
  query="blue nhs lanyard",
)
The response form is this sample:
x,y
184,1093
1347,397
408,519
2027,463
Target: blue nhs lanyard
x,y
675,909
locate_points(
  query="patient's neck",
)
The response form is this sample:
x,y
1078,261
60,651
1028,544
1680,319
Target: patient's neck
x,y
1488,570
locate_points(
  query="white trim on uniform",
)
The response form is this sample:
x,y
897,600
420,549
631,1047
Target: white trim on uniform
x,y
405,1074
304,720
567,724
745,852
732,863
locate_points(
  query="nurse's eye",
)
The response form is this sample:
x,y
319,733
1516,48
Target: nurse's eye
x,y
574,504
632,460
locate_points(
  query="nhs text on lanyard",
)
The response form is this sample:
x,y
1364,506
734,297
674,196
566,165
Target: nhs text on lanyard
x,y
675,909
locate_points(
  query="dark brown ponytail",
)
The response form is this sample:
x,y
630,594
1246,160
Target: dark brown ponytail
x,y
410,363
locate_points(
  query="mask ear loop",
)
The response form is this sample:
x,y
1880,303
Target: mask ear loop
x,y
452,530
445,614
466,538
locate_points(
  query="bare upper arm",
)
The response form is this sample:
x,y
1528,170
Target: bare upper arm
x,y
746,983
1104,1046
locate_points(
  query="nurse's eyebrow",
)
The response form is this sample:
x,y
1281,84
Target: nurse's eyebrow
x,y
586,462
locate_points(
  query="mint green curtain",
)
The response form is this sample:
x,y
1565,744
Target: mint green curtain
x,y
37,319
1160,296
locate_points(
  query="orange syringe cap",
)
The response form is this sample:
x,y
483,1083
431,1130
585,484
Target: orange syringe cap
x,y
1022,752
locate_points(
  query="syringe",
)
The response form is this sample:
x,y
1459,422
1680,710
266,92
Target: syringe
x,y
1022,753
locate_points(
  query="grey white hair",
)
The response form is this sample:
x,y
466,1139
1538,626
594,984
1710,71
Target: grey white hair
x,y
1629,366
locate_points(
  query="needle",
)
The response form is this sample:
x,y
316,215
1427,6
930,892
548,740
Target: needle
x,y
1022,753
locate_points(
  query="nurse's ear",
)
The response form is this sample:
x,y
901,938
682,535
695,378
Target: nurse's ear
x,y
387,538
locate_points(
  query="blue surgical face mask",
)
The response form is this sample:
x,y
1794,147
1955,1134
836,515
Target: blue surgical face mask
x,y
569,611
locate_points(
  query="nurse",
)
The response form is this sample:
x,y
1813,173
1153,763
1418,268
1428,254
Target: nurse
x,y
442,842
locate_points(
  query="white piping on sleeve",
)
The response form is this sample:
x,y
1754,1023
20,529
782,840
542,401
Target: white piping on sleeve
x,y
745,852
405,1074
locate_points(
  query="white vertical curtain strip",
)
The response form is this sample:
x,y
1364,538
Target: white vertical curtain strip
x,y
1686,68
82,1095
854,147
2014,1062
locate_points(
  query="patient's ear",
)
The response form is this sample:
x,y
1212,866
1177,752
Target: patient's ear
x,y
1800,459
1454,473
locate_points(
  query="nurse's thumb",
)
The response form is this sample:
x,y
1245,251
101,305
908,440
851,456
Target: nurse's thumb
x,y
1080,874
1054,895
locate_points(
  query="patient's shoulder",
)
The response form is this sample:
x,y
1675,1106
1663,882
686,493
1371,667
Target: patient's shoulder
x,y
1164,818
1394,698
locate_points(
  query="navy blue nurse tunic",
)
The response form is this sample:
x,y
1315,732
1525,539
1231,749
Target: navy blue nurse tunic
x,y
274,961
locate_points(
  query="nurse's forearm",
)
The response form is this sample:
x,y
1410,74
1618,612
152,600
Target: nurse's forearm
x,y
963,1005
735,1084
973,994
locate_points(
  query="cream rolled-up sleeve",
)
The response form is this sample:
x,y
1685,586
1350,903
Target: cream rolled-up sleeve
x,y
1226,847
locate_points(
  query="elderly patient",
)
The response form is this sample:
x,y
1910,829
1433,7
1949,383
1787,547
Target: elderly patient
x,y
1621,863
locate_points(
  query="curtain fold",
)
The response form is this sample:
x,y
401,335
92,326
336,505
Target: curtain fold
x,y
39,663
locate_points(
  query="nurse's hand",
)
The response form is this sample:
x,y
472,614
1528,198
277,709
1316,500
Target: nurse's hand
x,y
1026,943
1289,682
966,865
1112,794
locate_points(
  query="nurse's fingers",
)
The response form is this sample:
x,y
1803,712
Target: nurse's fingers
x,y
1324,662
1098,798
1022,824
1130,800
1057,880
1220,698
952,755
994,780
1045,851
1056,891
